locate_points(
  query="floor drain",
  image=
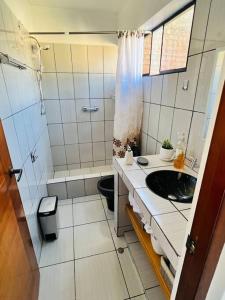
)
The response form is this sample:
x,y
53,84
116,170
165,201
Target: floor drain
x,y
120,250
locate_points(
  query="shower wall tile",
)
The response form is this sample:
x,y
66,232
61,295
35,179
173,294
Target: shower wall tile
x,y
169,89
65,84
53,112
165,123
181,123
76,76
95,59
84,132
81,86
156,89
110,59
153,120
49,86
63,57
48,58
96,85
68,111
79,58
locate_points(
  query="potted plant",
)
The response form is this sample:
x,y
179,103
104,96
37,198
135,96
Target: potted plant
x,y
166,151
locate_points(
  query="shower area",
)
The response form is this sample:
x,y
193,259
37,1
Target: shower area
x,y
78,88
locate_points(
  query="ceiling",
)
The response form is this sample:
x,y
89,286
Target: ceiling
x,y
100,5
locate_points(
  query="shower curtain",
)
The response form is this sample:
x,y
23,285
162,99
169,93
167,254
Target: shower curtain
x,y
129,92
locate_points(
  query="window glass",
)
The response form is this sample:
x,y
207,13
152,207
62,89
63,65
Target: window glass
x,y
176,39
156,51
147,54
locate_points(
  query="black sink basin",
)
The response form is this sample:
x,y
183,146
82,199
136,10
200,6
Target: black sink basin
x,y
172,185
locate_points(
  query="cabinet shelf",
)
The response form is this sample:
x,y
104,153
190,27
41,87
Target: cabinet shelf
x,y
153,258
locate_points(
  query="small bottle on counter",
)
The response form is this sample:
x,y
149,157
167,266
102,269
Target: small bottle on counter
x,y
129,156
180,155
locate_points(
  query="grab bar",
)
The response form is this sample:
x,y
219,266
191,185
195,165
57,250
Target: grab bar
x,y
90,109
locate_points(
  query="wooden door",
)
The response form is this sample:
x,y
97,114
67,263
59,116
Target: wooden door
x,y
19,274
198,268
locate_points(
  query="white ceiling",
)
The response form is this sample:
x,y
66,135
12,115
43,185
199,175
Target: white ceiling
x,y
100,5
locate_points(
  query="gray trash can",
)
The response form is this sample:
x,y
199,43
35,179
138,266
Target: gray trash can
x,y
48,217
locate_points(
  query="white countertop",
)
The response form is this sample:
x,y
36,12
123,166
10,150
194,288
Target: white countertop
x,y
168,219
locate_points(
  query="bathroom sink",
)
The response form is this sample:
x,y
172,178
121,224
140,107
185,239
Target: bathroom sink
x,y
172,185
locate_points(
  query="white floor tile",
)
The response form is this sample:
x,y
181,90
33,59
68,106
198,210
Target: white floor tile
x,y
57,282
109,213
118,241
88,212
131,275
58,251
155,294
92,239
144,268
65,216
100,278
131,237
65,202
86,198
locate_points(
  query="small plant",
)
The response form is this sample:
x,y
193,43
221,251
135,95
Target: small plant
x,y
167,145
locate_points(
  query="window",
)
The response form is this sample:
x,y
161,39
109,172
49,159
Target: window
x,y
170,43
147,53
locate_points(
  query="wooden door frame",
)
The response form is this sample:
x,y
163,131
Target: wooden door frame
x,y
209,219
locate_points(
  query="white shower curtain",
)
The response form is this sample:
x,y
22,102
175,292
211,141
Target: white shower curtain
x,y
129,92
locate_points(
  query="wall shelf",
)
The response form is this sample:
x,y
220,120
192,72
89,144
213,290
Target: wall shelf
x,y
145,241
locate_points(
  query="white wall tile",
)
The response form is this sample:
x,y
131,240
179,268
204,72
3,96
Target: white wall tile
x,y
53,112
91,187
84,132
109,149
97,115
58,155
208,60
165,123
56,134
199,26
82,116
68,111
196,137
48,59
109,130
147,82
156,89
110,59
5,107
99,151
70,133
153,120
97,131
151,146
75,188
86,152
72,154
145,118
109,109
49,86
79,58
95,59
185,98
65,83
63,57
181,123
143,144
81,86
109,85
96,85
169,89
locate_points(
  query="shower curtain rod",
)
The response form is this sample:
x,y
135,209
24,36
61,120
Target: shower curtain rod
x,y
80,32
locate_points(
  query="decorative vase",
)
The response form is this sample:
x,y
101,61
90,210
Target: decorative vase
x,y
166,154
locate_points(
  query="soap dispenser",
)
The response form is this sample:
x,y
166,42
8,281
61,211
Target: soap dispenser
x,y
180,149
129,156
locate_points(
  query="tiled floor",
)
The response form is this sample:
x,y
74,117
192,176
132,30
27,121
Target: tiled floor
x,y
84,264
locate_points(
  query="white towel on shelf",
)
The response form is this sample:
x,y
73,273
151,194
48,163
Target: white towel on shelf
x,y
134,204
